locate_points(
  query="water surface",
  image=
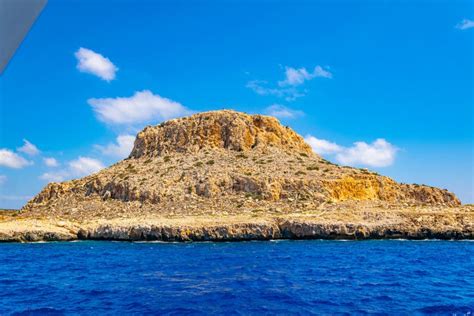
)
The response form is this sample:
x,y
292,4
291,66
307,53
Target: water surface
x,y
284,277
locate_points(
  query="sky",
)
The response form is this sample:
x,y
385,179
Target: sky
x,y
383,85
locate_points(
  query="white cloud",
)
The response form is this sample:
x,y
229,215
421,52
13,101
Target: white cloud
x,y
290,94
143,106
296,77
282,111
287,88
379,153
120,149
94,63
84,166
50,162
322,146
321,72
12,160
81,166
54,176
258,87
28,148
3,179
465,24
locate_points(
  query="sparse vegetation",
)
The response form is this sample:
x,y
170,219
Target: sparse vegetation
x,y
253,195
267,183
130,169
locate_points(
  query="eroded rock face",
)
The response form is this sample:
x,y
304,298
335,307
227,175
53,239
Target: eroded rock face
x,y
371,187
223,162
226,176
335,221
220,129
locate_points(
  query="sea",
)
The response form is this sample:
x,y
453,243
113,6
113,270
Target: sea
x,y
384,277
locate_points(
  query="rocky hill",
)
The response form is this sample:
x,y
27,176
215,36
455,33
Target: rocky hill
x,y
226,175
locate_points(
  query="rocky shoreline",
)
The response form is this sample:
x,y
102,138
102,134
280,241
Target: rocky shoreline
x,y
407,226
246,232
236,233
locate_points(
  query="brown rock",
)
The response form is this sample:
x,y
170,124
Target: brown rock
x,y
258,176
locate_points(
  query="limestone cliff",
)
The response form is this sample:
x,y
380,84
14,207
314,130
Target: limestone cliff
x,y
226,164
217,130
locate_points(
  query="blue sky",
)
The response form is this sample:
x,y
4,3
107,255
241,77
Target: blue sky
x,y
386,85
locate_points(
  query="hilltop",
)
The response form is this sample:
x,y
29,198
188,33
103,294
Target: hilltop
x,y
226,175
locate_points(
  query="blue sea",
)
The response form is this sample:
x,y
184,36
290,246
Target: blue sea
x,y
241,278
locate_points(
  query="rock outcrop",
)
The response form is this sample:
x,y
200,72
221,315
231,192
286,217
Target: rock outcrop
x,y
241,169
217,130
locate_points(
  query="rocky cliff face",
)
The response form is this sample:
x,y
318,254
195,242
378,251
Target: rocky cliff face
x,y
217,130
225,158
226,164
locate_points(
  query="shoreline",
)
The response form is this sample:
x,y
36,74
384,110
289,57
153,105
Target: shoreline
x,y
192,230
223,242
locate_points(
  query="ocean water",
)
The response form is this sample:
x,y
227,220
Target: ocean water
x,y
283,277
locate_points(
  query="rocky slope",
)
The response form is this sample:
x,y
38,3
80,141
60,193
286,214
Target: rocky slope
x,y
226,175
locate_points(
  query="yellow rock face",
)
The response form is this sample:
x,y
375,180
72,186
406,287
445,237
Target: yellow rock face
x,y
372,187
220,129
349,188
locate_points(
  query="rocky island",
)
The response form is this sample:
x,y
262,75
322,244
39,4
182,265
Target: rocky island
x,y
226,175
